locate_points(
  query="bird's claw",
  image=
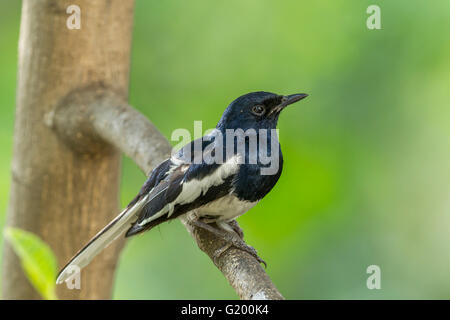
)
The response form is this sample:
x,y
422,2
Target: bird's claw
x,y
254,253
232,240
220,251
241,246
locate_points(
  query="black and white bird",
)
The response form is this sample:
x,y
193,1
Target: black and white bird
x,y
211,180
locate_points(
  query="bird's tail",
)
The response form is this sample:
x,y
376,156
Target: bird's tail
x,y
101,240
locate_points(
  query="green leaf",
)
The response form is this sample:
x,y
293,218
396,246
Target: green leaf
x,y
37,259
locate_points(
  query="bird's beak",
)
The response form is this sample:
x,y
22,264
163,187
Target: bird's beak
x,y
287,100
292,98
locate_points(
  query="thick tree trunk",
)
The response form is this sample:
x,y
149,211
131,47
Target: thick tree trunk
x,y
63,192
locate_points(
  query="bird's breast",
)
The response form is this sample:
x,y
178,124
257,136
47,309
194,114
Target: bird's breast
x,y
251,185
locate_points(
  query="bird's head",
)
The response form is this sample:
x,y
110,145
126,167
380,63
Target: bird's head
x,y
256,110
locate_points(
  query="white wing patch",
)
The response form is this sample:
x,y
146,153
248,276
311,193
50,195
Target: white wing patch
x,y
193,189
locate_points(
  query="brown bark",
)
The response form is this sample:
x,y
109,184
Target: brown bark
x,y
65,195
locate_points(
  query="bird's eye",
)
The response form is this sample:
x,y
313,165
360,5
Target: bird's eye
x,y
258,110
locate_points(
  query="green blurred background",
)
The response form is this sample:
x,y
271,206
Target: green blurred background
x,y
367,160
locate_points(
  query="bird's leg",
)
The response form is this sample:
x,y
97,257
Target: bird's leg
x,y
236,228
232,240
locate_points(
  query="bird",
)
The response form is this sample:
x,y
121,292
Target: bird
x,y
211,181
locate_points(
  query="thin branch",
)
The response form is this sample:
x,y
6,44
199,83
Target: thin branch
x,y
89,117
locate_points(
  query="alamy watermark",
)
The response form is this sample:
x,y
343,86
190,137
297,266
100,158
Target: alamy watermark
x,y
74,279
248,146
74,20
374,280
374,20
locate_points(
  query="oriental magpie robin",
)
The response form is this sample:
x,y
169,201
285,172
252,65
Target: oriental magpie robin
x,y
211,180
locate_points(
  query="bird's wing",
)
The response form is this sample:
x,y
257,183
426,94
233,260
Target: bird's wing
x,y
188,185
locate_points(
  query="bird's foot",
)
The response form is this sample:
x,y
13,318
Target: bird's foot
x,y
233,240
241,245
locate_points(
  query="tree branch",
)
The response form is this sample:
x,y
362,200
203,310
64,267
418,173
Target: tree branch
x,y
89,117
